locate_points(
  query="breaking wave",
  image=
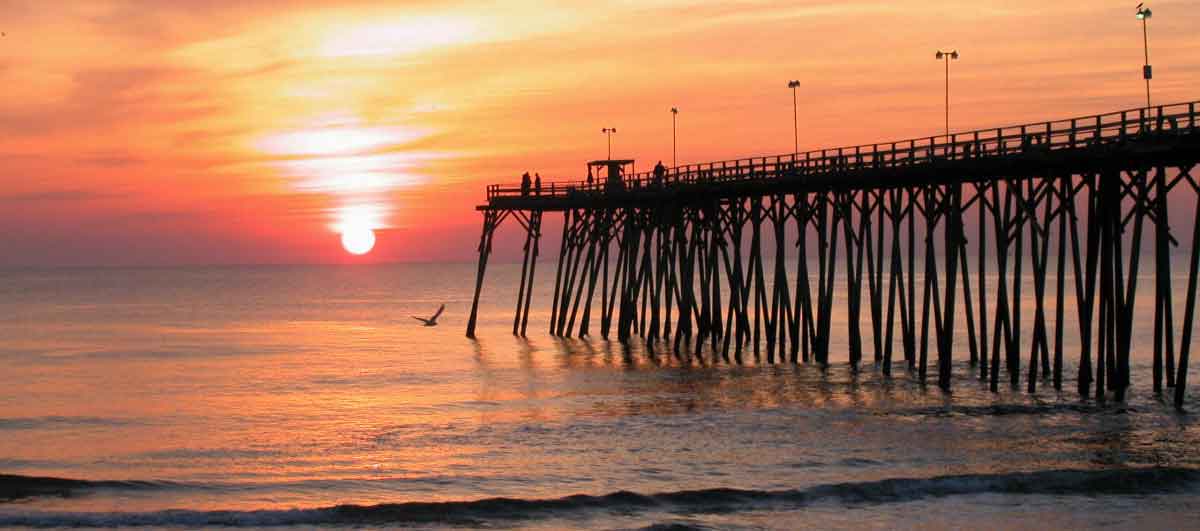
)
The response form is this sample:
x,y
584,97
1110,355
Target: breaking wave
x,y
719,500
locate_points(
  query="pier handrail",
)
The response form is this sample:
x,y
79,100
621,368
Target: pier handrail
x,y
1072,133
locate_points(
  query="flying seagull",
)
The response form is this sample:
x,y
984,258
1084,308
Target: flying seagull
x,y
432,321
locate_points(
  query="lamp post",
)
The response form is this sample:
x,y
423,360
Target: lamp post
x,y
1143,13
609,131
795,117
947,57
674,157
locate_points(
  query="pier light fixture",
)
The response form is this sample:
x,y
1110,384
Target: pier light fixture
x,y
1144,13
609,131
674,156
793,84
947,56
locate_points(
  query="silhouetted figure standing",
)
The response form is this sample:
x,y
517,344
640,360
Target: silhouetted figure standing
x,y
537,184
591,180
660,173
525,184
616,181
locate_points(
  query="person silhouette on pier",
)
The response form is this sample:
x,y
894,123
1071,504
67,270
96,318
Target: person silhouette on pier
x,y
537,184
525,184
660,173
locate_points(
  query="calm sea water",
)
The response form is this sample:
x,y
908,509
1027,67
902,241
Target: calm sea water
x,y
302,396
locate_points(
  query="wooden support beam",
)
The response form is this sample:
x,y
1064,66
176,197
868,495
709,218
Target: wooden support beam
x,y
981,247
1189,309
646,275
1110,205
1039,236
588,280
952,213
1127,280
854,273
1085,280
1064,196
610,295
703,313
535,222
1015,308
731,325
827,236
895,278
1001,336
714,281
1163,320
803,288
756,272
910,338
490,221
659,281
670,263
630,246
781,305
931,209
961,253
597,249
527,251
562,254
579,227
875,273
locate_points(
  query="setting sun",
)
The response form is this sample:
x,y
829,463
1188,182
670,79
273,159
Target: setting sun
x,y
358,240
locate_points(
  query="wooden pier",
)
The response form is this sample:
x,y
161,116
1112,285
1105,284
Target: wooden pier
x,y
745,257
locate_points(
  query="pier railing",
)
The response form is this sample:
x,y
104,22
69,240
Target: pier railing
x,y
1074,133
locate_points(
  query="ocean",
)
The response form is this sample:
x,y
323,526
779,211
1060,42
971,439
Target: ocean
x,y
308,397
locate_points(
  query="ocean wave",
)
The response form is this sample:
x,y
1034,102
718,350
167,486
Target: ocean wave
x,y
13,487
1001,410
675,526
32,423
705,501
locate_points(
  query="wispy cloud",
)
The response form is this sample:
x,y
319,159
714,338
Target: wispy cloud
x,y
59,196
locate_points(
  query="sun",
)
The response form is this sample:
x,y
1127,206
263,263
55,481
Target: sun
x,y
358,240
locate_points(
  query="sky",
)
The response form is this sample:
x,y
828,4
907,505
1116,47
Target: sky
x,y
152,132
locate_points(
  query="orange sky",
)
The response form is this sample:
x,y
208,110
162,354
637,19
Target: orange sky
x,y
148,132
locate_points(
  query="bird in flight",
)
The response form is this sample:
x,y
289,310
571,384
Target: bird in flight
x,y
432,321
